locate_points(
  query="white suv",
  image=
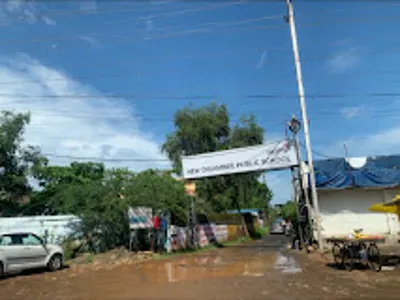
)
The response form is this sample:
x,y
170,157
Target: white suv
x,y
23,251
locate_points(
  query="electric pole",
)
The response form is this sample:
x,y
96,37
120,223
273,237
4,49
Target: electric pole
x,y
290,20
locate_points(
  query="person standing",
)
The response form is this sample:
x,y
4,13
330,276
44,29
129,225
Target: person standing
x,y
156,231
163,231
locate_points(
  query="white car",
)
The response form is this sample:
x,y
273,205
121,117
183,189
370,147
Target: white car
x,y
277,228
23,251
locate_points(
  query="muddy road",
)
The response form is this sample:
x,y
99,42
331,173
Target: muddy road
x,y
260,270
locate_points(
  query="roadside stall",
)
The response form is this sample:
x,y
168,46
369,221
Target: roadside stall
x,y
141,227
359,248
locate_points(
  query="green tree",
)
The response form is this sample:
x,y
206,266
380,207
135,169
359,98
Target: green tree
x,y
289,210
56,180
15,162
207,129
101,199
201,130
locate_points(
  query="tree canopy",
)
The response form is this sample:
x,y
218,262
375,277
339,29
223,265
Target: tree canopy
x,y
101,196
15,161
208,129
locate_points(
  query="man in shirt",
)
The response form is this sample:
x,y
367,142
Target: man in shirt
x,y
156,230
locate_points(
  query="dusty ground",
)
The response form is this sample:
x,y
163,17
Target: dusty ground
x,y
261,270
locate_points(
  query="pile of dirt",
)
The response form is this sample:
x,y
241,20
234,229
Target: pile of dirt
x,y
110,259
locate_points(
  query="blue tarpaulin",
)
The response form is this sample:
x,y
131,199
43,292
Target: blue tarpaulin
x,y
337,173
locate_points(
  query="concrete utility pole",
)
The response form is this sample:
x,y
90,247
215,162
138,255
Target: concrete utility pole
x,y
290,20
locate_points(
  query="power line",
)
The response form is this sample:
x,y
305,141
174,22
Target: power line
x,y
136,7
217,53
195,97
132,159
207,54
378,94
99,10
185,11
164,119
317,152
106,159
200,28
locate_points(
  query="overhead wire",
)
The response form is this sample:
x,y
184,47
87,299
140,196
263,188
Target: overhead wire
x,y
98,10
199,97
318,153
200,28
158,118
105,159
185,11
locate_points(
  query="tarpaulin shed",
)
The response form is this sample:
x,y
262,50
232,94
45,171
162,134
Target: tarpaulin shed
x,y
370,172
347,187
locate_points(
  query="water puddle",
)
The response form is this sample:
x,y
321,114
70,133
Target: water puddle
x,y
203,267
287,264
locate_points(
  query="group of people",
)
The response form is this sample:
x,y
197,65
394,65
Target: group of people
x,y
150,238
160,230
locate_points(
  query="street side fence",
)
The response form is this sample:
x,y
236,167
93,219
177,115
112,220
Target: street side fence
x,y
208,234
57,228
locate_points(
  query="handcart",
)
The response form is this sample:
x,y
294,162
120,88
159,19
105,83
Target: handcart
x,y
347,251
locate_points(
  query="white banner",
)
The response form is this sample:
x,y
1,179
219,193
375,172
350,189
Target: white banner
x,y
271,156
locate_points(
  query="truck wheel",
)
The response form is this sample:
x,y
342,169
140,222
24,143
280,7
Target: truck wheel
x,y
55,263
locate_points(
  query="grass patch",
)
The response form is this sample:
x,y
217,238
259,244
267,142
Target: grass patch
x,y
260,232
116,254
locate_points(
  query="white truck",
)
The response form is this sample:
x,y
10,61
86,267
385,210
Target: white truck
x,y
24,250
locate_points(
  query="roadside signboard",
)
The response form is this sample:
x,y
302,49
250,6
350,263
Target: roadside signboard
x,y
140,217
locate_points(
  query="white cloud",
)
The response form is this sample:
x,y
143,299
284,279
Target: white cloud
x,y
24,11
74,126
91,40
48,21
380,143
352,112
344,60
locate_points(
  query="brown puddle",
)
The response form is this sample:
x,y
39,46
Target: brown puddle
x,y
201,267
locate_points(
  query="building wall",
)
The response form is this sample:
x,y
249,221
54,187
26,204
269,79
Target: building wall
x,y
57,227
345,210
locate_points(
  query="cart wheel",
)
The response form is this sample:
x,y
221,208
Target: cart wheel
x,y
337,253
374,258
363,255
348,259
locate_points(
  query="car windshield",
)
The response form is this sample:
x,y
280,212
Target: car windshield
x,y
277,223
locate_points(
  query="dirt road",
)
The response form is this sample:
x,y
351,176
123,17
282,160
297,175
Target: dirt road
x,y
261,270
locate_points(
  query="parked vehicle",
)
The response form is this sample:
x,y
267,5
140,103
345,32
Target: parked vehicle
x,y
277,227
23,251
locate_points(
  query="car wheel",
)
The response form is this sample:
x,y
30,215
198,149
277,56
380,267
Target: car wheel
x,y
55,263
1,270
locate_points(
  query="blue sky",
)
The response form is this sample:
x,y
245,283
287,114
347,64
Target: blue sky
x,y
62,61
